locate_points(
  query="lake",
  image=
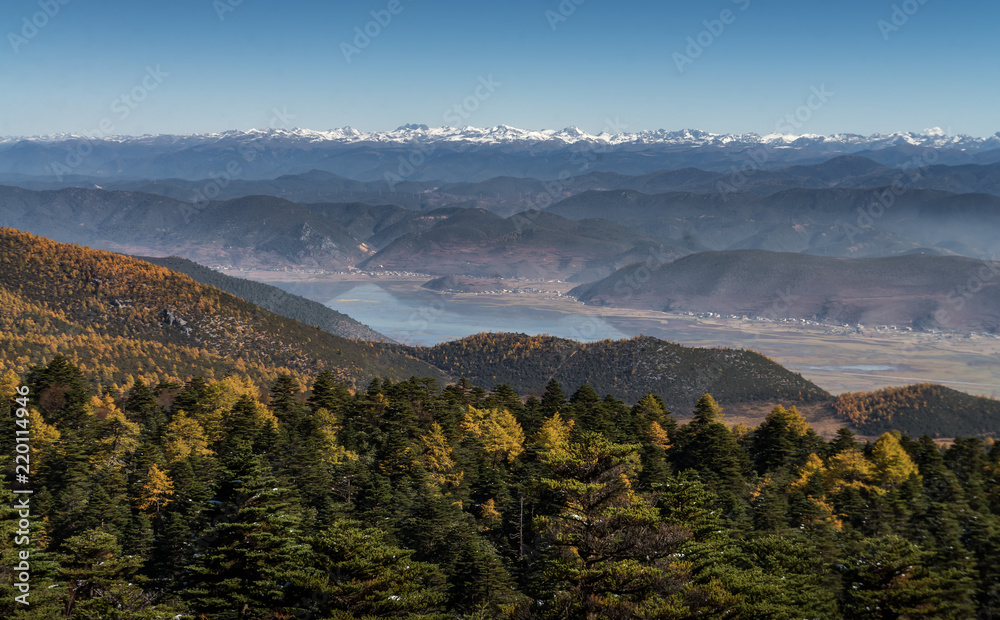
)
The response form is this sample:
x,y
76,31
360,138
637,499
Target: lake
x,y
838,362
423,317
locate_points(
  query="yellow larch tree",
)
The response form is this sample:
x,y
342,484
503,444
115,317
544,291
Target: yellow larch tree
x,y
822,513
118,437
812,467
658,436
791,418
157,491
498,430
554,434
849,469
331,451
893,466
220,397
44,438
489,515
438,457
184,437
9,382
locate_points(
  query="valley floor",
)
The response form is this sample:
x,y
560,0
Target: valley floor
x,y
837,358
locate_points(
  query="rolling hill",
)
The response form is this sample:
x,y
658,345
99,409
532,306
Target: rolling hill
x,y
119,317
274,299
830,222
534,244
920,409
919,290
626,369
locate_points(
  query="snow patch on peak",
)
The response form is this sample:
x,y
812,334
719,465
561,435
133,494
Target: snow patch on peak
x,y
412,133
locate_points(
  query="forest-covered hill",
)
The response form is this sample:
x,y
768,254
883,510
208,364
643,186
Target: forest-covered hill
x,y
626,369
214,500
920,409
121,318
274,299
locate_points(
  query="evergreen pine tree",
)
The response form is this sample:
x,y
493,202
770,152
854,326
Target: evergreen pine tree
x,y
252,562
99,579
362,574
708,447
328,393
782,441
553,399
609,547
889,577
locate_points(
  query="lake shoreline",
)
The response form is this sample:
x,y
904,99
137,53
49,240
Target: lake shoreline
x,y
834,357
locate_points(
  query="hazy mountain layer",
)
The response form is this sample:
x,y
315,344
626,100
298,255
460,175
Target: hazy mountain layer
x,y
506,195
274,299
922,291
416,152
832,222
530,245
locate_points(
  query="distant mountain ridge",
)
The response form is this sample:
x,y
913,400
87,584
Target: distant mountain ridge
x,y
506,194
846,222
263,231
506,134
582,238
923,291
420,153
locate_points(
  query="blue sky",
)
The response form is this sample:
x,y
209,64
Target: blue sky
x,y
210,65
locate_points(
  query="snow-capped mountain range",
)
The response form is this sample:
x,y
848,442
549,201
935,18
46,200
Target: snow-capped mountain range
x,y
507,135
448,154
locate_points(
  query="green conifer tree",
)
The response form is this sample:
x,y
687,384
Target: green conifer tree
x,y
252,562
